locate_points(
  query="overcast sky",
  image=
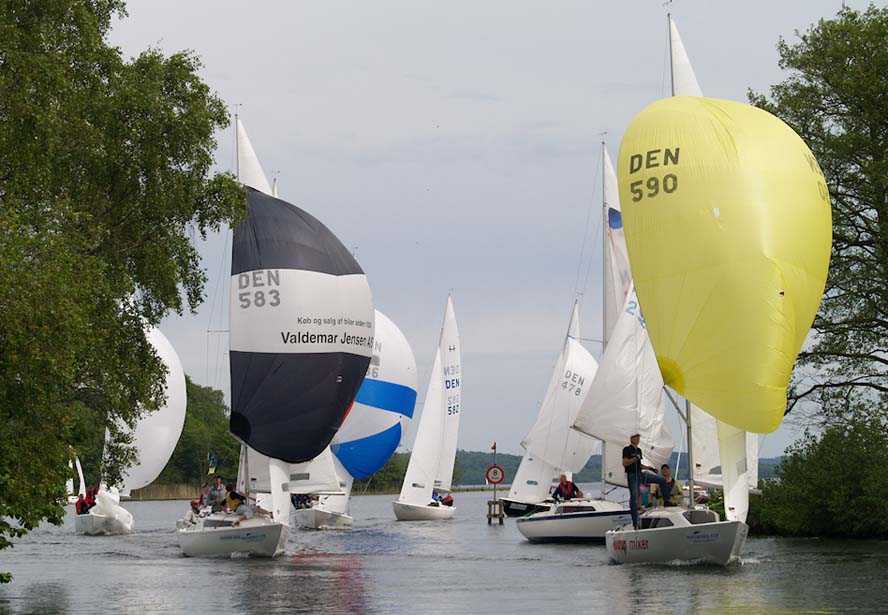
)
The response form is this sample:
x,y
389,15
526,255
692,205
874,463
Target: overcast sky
x,y
455,146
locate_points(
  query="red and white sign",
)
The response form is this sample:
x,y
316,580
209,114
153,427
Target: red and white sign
x,y
495,475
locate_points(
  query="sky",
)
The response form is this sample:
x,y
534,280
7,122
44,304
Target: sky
x,y
455,148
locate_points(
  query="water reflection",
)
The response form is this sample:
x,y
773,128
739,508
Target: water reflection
x,y
304,583
37,598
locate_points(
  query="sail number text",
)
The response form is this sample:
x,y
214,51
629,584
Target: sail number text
x,y
573,382
652,186
451,382
255,288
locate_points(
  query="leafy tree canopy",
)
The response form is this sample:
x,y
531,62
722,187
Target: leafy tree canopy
x,y
104,182
836,98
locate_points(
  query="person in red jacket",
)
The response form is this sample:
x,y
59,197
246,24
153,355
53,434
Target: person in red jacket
x,y
566,490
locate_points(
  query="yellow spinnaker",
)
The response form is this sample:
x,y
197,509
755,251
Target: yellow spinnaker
x,y
728,225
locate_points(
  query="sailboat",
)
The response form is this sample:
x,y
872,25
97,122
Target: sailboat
x,y
430,469
729,284
374,427
154,437
301,325
535,477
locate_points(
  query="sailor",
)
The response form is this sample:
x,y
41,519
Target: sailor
x,y
447,500
566,490
636,475
80,505
192,517
436,498
675,493
204,490
216,494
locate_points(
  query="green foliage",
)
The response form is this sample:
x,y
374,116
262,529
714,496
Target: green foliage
x,y
387,480
831,485
836,98
205,431
104,181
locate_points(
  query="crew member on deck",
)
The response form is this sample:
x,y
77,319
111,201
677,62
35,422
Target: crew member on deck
x,y
675,493
566,490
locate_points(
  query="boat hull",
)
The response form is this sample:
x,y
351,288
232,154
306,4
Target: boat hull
x,y
706,543
95,524
317,519
418,512
516,508
261,539
590,526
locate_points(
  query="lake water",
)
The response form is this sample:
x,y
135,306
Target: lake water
x,y
461,566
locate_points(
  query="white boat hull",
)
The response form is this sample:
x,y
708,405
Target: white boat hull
x,y
419,512
581,526
258,536
317,519
707,543
95,524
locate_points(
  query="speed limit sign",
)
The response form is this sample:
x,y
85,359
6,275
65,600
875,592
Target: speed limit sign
x,y
495,475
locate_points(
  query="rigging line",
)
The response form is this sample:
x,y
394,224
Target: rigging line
x,y
667,62
589,210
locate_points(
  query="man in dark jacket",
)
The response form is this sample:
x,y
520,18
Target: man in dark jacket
x,y
636,475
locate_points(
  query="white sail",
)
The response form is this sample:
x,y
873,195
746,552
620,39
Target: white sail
x,y
614,472
451,367
81,488
338,502
533,480
618,276
155,436
551,437
423,465
280,500
684,81
249,170
626,395
732,444
315,476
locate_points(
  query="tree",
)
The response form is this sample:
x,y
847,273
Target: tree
x,y
205,432
831,485
104,183
837,99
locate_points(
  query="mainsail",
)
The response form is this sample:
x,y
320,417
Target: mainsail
x,y
434,449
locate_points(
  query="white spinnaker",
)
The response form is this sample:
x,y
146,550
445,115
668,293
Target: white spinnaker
x,y
249,170
423,465
626,395
684,81
704,428
533,480
451,367
155,436
618,276
551,437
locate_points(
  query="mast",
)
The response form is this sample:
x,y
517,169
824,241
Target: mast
x,y
604,228
690,455
671,67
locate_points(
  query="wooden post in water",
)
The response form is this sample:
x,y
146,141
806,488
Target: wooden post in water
x,y
494,476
